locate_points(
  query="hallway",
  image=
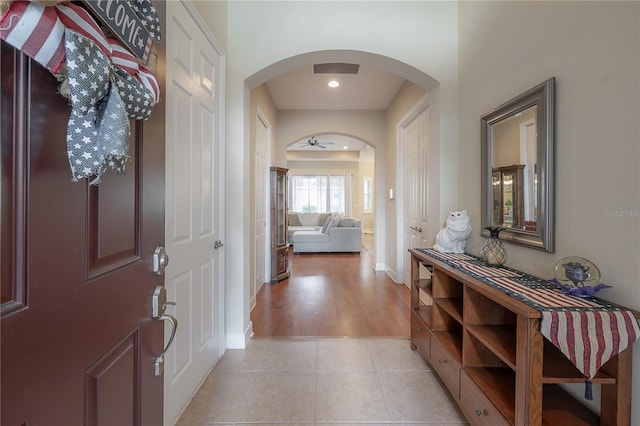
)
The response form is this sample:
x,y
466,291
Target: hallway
x,y
345,357
323,382
333,295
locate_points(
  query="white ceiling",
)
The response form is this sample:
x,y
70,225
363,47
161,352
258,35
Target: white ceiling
x,y
301,89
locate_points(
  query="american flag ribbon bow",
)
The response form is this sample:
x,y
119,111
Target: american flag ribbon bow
x,y
103,80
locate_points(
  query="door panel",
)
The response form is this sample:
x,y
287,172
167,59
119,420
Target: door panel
x,y
78,341
103,382
113,235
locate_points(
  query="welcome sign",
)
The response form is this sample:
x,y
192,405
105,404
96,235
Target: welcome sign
x,y
122,19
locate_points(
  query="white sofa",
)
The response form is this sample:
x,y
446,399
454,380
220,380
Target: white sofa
x,y
338,233
306,222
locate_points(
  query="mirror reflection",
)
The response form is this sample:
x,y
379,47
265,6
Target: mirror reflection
x,y
514,171
517,168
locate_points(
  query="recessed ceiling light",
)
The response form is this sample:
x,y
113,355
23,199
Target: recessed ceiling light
x,y
333,83
345,147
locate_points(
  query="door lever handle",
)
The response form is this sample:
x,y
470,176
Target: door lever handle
x,y
159,364
158,306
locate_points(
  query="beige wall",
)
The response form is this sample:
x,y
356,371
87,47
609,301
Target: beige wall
x,y
593,50
214,13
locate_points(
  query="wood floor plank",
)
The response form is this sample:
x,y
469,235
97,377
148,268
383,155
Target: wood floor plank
x,y
333,295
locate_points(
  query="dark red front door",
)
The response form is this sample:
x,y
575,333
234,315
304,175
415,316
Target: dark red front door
x,y
78,340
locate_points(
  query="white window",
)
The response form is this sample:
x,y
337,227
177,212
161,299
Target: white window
x,y
367,194
319,194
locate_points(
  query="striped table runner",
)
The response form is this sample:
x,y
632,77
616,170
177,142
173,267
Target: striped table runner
x,y
587,331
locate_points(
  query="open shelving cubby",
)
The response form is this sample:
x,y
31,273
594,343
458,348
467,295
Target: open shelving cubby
x,y
487,348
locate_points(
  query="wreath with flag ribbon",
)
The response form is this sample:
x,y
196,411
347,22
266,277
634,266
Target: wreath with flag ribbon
x,y
105,83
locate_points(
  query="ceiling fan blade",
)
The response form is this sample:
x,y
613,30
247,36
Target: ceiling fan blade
x,y
321,146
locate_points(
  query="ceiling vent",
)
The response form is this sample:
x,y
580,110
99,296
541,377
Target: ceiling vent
x,y
336,68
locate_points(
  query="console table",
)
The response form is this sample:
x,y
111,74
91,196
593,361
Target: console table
x,y
486,346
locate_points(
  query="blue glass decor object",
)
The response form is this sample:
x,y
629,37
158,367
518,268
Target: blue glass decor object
x,y
577,276
584,291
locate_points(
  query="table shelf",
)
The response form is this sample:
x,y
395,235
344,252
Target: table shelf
x,y
500,360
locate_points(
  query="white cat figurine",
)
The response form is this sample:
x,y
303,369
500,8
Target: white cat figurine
x,y
453,237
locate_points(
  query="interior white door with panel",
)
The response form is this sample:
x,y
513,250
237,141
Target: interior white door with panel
x,y
411,192
423,148
414,160
194,194
261,194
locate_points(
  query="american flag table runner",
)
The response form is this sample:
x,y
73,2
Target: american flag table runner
x,y
587,331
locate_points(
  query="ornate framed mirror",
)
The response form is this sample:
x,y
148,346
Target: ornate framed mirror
x,y
518,168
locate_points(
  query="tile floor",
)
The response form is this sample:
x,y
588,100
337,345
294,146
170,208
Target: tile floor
x,y
322,382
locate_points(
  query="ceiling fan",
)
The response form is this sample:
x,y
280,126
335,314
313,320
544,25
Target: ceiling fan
x,y
313,142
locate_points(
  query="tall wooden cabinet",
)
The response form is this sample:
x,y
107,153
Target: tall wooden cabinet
x,y
279,243
508,196
487,348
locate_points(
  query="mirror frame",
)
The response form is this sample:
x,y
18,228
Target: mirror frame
x,y
543,97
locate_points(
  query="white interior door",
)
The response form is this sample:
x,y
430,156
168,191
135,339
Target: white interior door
x,y
411,192
261,176
528,156
194,190
415,144
423,216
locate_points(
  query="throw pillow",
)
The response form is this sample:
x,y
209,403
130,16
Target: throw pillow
x,y
323,218
347,222
327,225
294,219
310,219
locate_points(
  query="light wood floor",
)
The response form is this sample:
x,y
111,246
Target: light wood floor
x,y
333,295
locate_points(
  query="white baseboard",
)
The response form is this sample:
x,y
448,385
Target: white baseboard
x,y
391,273
380,266
240,340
